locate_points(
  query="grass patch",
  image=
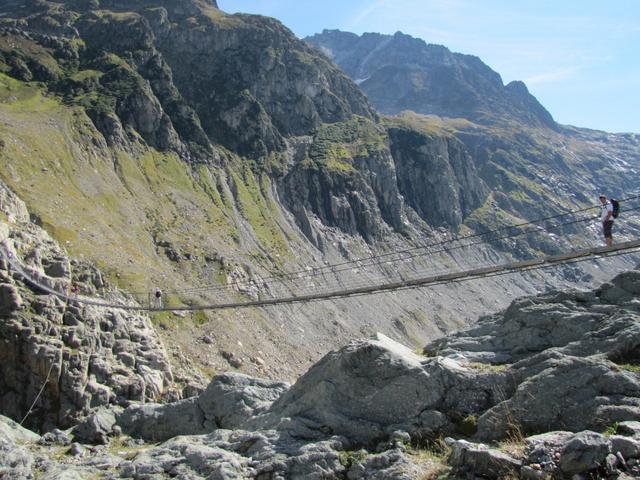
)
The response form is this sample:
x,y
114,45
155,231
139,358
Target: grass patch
x,y
120,447
630,367
432,460
513,446
335,146
258,211
467,426
349,458
611,430
200,318
16,96
84,75
488,367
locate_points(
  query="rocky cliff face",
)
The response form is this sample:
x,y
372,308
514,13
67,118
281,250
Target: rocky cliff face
x,y
80,356
436,175
400,72
138,66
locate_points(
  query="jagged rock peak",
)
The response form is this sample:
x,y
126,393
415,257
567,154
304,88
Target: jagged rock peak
x,y
429,79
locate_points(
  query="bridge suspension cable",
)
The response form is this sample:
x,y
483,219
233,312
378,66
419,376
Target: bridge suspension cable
x,y
409,253
483,272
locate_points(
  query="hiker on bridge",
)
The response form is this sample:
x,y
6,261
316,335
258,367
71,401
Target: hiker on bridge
x,y
606,217
158,298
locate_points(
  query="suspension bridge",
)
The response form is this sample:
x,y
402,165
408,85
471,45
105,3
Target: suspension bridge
x,y
345,289
441,279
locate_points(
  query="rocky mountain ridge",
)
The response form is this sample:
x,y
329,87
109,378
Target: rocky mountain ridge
x,y
399,72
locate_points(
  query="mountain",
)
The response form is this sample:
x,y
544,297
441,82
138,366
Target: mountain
x,y
399,72
513,140
167,144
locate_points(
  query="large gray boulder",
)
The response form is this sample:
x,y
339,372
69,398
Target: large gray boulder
x,y
233,398
585,452
157,422
12,432
369,389
229,402
603,321
567,392
16,461
478,460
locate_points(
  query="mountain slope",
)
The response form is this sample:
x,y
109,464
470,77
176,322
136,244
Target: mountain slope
x,y
172,145
400,72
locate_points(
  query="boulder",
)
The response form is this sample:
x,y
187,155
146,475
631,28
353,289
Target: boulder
x,y
55,437
370,389
11,431
156,422
97,427
479,460
579,393
16,461
232,398
586,451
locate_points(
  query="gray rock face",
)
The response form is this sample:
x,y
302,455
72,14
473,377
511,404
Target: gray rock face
x,y
229,402
399,72
558,341
97,427
15,459
156,422
233,399
82,357
436,176
370,389
576,323
578,394
265,454
477,460
586,451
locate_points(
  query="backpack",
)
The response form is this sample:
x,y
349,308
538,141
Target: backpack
x,y
616,208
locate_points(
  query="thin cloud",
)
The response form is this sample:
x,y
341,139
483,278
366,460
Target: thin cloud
x,y
366,12
551,77
435,7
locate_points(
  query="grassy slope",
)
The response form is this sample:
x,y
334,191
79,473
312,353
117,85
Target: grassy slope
x,y
109,205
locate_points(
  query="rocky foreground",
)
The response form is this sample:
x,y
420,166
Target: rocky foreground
x,y
549,388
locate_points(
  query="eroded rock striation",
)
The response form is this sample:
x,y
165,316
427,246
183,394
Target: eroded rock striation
x,y
80,356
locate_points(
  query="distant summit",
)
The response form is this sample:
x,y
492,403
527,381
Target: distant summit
x,y
399,72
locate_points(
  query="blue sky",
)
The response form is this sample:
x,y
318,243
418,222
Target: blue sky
x,y
581,59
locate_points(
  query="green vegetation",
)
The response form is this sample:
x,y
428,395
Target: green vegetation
x,y
19,96
611,430
432,459
109,206
260,213
467,426
200,318
488,367
427,124
630,367
84,75
336,146
30,54
348,458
